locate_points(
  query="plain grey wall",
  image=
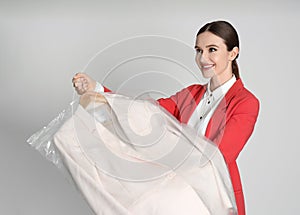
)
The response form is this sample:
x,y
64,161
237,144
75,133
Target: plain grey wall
x,y
43,43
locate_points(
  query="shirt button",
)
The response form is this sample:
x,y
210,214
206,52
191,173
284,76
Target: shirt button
x,y
208,102
201,117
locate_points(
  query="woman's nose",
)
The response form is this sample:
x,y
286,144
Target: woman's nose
x,y
202,57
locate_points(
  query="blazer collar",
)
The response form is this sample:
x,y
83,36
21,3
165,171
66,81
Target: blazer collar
x,y
237,86
218,117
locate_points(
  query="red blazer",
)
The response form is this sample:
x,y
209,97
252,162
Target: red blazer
x,y
230,126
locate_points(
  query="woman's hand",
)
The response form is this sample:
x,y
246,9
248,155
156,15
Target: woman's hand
x,y
83,83
89,97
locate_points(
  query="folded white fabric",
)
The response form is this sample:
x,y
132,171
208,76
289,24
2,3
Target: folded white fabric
x,y
130,156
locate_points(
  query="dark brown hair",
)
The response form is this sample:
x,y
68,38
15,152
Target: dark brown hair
x,y
227,32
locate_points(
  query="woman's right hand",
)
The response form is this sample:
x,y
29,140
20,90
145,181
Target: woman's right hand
x,y
83,83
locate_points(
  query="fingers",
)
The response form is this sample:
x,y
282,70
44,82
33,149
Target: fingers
x,y
80,83
83,83
81,75
80,91
80,86
77,76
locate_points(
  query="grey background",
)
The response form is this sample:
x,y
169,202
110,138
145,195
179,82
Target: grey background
x,y
43,43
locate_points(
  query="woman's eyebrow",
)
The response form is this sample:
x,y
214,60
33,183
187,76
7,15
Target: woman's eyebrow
x,y
211,45
208,46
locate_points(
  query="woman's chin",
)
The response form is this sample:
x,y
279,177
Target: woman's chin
x,y
208,74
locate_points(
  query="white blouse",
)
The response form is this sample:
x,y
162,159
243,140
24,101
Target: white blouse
x,y
208,104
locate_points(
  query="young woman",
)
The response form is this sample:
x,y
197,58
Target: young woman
x,y
223,110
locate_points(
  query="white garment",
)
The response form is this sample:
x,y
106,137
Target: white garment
x,y
208,104
206,107
99,88
140,160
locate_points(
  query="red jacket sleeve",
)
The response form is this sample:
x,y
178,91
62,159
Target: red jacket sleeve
x,y
170,104
106,89
176,103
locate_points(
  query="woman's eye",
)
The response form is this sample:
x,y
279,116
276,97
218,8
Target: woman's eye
x,y
199,51
212,49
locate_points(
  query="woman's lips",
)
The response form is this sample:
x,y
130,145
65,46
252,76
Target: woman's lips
x,y
207,66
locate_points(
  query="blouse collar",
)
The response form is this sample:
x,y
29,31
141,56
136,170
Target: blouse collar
x,y
221,90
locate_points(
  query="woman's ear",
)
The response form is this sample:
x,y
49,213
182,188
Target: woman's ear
x,y
233,53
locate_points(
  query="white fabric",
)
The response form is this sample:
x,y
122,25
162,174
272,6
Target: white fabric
x,y
99,88
208,104
206,107
138,159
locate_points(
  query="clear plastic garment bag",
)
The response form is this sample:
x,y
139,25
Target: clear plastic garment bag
x,y
129,156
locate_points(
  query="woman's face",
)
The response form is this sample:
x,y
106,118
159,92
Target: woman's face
x,y
212,56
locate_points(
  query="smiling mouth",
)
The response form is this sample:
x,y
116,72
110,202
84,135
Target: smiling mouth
x,y
207,67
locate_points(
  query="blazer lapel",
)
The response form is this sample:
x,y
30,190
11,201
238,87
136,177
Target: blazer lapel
x,y
218,119
191,103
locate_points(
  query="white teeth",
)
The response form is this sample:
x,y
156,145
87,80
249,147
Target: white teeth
x,y
207,66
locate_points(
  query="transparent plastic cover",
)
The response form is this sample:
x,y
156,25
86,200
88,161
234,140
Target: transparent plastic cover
x,y
129,156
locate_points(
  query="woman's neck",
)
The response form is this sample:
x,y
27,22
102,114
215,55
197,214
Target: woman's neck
x,y
217,81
